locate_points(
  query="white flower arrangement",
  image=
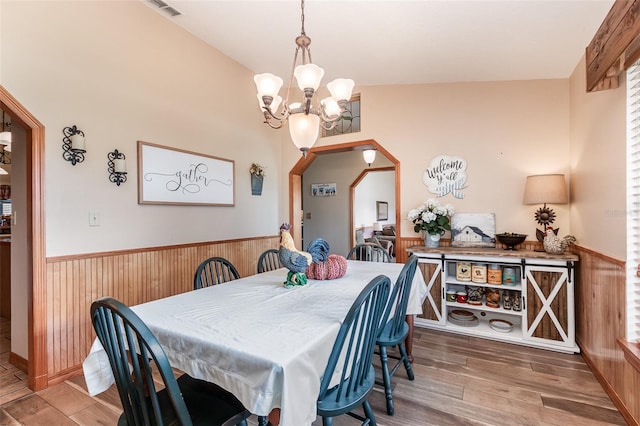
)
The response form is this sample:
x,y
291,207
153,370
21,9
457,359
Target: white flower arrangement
x,y
431,217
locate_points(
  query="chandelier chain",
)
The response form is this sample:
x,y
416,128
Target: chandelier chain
x,y
302,18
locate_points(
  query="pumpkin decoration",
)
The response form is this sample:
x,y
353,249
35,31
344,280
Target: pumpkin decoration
x,y
334,267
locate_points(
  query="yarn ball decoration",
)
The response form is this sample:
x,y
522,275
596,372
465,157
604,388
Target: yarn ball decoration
x,y
334,267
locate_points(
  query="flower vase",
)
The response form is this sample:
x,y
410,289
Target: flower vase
x,y
256,184
432,240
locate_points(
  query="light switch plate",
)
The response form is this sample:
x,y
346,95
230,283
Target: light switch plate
x,y
94,219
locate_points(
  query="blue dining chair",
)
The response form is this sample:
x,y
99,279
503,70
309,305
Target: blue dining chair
x,y
369,252
184,401
269,261
212,271
351,357
394,329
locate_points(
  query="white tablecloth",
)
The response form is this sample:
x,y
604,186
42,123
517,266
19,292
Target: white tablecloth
x,y
266,344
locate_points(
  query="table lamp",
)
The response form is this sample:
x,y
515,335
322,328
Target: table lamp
x,y
543,189
377,227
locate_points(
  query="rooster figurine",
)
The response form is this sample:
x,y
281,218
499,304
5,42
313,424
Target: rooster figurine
x,y
297,261
554,245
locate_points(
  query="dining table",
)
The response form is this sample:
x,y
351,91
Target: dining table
x,y
265,343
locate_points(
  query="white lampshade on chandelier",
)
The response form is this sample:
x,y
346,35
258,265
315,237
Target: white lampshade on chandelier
x,y
305,118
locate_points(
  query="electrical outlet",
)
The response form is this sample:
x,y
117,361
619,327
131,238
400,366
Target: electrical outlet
x,y
94,219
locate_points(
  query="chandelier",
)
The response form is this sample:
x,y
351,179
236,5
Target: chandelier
x,y
305,117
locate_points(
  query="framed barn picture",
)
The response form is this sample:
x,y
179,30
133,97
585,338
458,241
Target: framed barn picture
x,y
473,230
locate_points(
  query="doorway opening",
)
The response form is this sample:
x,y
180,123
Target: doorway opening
x,y
33,233
295,181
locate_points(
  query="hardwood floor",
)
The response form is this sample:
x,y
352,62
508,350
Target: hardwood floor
x,y
459,381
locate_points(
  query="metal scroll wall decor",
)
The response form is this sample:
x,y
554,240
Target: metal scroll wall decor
x,y
116,167
73,147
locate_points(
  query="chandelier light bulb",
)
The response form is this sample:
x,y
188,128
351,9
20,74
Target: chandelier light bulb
x,y
5,138
7,148
3,171
331,107
341,89
369,156
267,84
304,130
308,76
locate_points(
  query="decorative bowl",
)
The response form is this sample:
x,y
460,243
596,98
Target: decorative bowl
x,y
511,239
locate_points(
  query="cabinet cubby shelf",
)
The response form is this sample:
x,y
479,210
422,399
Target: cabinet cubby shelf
x,y
483,308
544,284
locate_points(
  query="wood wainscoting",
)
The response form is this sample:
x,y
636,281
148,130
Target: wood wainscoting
x,y
131,276
600,321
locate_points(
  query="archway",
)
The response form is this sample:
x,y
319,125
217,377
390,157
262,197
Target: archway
x,y
295,180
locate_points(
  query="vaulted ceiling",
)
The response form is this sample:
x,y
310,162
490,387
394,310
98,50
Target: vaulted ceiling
x,y
378,42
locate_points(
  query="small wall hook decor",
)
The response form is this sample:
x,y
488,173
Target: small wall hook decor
x,y
73,147
117,167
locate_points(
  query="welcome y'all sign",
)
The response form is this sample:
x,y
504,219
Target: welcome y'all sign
x,y
446,174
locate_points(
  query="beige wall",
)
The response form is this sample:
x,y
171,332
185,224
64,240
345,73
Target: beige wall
x,y
598,166
505,130
122,72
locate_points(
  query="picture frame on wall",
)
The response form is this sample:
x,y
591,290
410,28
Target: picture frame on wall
x,y
174,176
382,210
323,189
473,230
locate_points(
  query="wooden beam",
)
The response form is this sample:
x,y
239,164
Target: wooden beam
x,y
615,45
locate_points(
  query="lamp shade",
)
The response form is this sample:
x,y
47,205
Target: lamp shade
x,y
308,76
341,88
543,189
5,138
369,156
331,107
267,84
377,226
304,129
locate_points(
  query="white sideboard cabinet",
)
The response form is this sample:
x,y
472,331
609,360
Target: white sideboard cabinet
x,y
539,308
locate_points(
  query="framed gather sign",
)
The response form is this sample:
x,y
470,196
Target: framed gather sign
x,y
175,176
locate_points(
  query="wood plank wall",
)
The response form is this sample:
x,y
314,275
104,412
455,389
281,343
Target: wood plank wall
x,y
132,276
600,320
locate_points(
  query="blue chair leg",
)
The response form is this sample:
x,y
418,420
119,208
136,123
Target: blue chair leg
x,y
262,421
327,421
405,359
368,412
386,379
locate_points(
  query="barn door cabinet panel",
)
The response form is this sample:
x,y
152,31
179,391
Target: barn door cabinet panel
x,y
432,307
531,303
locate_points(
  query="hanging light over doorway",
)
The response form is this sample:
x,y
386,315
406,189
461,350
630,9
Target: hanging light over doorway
x,y
369,156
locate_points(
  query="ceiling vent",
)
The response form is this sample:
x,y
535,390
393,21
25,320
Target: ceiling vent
x,y
165,7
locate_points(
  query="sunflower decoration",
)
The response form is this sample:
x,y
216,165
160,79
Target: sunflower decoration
x,y
544,216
